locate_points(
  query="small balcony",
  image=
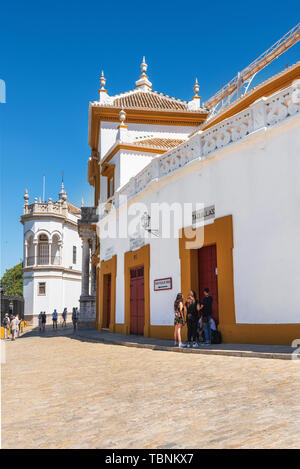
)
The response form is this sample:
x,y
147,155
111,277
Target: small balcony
x,y
42,260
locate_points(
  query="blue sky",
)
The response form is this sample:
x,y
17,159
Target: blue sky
x,y
51,57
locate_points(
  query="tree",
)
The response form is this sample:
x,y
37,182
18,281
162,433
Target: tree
x,y
12,281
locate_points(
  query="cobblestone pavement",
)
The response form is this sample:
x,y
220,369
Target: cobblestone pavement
x,y
61,392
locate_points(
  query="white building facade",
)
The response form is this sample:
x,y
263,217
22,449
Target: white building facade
x,y
52,257
230,191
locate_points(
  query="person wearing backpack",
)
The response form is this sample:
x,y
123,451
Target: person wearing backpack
x,y
216,337
6,325
54,318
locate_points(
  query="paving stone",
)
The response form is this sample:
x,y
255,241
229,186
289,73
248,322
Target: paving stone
x,y
67,392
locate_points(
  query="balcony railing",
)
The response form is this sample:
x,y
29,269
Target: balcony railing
x,y
43,260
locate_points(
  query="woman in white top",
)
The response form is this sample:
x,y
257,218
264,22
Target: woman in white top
x,y
14,328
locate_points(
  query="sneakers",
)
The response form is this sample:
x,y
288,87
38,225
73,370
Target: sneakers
x,y
195,345
182,345
175,344
189,345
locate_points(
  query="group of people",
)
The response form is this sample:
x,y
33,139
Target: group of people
x,y
43,319
201,327
12,324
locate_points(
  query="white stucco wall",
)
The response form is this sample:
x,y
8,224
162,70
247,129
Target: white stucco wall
x,y
108,133
256,181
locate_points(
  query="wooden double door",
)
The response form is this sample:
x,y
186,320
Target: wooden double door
x,y
137,301
208,276
107,300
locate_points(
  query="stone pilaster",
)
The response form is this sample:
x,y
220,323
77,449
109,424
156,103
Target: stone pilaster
x,y
87,314
85,267
93,269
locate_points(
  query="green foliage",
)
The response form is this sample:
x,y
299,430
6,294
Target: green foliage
x,y
12,281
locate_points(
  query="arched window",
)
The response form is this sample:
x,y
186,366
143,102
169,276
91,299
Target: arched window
x,y
43,250
55,250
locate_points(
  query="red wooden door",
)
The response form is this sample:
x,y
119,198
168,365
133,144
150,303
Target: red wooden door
x,y
108,299
137,306
207,269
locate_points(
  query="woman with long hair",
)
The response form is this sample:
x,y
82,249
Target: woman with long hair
x,y
192,316
178,319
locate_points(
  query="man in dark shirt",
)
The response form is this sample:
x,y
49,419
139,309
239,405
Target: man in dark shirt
x,y
206,309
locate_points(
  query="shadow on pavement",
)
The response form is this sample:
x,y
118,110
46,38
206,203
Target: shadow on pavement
x,y
108,338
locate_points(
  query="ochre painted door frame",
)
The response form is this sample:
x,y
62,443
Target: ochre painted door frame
x,y
134,259
108,267
220,233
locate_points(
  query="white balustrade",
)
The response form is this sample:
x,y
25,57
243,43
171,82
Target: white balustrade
x,y
264,113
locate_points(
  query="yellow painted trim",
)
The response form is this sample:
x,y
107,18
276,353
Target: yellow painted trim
x,y
266,89
139,149
134,259
108,267
220,233
120,329
142,116
107,169
269,334
143,84
165,332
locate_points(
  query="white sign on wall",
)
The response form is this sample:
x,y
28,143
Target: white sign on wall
x,y
108,253
163,284
136,243
203,214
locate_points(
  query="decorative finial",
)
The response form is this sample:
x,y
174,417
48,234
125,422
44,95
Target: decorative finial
x,y
82,203
144,66
196,87
102,81
62,195
143,82
26,196
122,115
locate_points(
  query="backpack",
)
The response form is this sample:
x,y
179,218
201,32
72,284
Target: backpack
x,y
5,321
216,337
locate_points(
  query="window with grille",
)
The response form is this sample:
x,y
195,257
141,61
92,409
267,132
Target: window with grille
x,y
42,288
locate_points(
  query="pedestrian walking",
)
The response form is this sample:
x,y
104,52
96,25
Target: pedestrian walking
x,y
6,325
44,320
40,317
75,318
18,325
13,325
178,320
64,318
54,318
206,310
